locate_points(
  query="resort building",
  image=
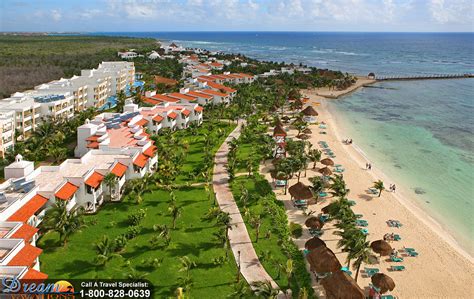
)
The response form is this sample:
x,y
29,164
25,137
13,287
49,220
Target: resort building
x,y
99,87
122,73
26,111
79,91
127,55
217,97
7,131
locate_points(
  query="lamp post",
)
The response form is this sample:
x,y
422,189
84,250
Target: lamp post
x,y
238,266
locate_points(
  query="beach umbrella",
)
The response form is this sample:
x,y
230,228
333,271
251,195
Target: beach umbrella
x,y
302,137
322,260
307,131
339,285
309,111
313,243
384,282
314,222
279,131
300,191
325,171
327,162
381,247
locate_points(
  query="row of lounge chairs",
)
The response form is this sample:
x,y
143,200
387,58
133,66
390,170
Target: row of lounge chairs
x,y
394,223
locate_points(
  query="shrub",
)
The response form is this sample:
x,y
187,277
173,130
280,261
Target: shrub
x,y
133,231
296,230
137,217
120,243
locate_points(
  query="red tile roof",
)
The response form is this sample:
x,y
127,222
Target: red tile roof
x,y
141,122
185,112
151,101
198,109
161,97
25,232
182,96
158,118
26,256
119,169
32,274
165,81
140,160
93,145
150,151
200,94
94,180
213,92
66,192
221,87
173,115
29,209
93,138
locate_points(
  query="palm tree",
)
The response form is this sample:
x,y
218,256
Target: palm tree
x,y
265,289
314,156
175,213
317,185
120,101
361,254
62,221
256,222
110,180
338,186
186,265
249,166
289,271
379,186
241,290
105,249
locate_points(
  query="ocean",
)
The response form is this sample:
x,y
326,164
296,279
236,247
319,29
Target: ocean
x,y
420,133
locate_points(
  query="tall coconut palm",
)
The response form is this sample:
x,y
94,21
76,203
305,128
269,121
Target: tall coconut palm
x,y
175,213
338,186
62,221
317,185
314,156
186,265
361,254
256,222
110,181
379,186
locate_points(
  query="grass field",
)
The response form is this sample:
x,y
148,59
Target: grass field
x,y
193,237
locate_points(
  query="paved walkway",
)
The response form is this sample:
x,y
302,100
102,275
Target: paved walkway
x,y
251,268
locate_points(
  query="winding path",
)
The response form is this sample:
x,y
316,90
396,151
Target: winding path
x,y
251,268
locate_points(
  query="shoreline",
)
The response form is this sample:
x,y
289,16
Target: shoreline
x,y
402,193
442,269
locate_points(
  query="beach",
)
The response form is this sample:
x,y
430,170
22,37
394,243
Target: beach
x,y
442,269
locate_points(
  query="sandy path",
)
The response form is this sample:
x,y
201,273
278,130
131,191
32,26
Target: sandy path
x,y
439,271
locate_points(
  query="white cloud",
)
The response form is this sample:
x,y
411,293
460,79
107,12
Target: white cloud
x,y
56,15
90,13
452,11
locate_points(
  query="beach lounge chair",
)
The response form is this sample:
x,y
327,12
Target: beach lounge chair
x,y
364,231
408,249
337,165
346,269
397,268
361,222
359,215
323,194
371,271
412,253
324,218
396,259
387,297
338,170
315,232
351,202
373,191
397,238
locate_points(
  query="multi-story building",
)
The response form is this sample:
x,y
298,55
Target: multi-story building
x,y
99,87
72,85
7,131
26,110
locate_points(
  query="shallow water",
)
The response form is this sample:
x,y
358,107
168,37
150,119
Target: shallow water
x,y
421,135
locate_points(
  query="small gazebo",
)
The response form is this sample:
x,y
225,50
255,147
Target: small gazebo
x,y
309,114
300,191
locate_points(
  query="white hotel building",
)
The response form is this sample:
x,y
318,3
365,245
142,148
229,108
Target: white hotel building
x,y
61,99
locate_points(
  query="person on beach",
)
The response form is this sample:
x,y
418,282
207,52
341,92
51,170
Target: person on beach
x,y
366,165
393,188
369,166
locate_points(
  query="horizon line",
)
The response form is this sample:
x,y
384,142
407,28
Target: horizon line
x,y
236,31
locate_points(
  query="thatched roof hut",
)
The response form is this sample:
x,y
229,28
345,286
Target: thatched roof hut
x,y
279,131
309,111
327,162
314,222
322,260
307,131
300,191
313,243
325,171
384,282
381,247
339,285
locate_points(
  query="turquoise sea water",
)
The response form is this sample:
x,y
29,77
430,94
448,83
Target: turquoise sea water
x,y
418,132
423,141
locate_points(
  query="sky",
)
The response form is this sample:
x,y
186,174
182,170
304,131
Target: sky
x,y
237,15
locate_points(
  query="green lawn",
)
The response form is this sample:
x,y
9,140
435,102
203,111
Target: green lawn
x,y
193,237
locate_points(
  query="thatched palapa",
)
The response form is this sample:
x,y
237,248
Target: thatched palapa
x,y
279,131
381,247
313,243
314,222
322,260
309,111
300,191
327,162
339,285
325,171
384,282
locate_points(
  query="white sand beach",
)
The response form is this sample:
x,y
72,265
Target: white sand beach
x,y
442,269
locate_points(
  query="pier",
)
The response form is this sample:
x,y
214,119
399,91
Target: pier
x,y
423,77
